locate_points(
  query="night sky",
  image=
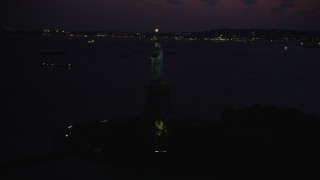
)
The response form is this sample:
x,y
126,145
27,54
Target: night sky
x,y
169,15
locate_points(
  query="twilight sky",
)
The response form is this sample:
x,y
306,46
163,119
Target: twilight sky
x,y
169,15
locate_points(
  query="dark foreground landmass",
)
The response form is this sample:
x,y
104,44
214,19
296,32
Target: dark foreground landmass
x,y
256,142
257,138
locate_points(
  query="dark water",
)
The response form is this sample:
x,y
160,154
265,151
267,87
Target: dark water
x,y
111,75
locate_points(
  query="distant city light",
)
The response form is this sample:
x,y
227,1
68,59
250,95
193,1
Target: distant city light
x,y
67,135
71,125
216,36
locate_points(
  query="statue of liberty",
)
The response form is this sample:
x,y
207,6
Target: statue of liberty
x,y
156,60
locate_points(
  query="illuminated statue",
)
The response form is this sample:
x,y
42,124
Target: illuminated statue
x,y
156,60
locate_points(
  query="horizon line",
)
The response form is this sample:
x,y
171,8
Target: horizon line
x,y
216,29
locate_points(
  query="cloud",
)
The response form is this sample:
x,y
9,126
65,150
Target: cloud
x,y
250,2
314,21
302,13
210,2
283,6
176,2
249,10
147,2
317,4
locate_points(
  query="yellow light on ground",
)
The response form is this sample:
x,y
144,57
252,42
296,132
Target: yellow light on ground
x,y
160,128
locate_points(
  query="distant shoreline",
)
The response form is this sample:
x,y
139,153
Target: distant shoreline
x,y
221,35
